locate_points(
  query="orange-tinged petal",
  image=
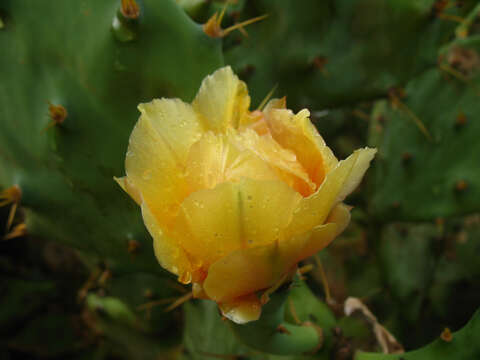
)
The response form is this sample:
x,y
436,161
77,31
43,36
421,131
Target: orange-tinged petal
x,y
297,133
255,120
321,236
242,310
213,223
222,100
246,271
215,159
158,148
340,182
284,161
168,251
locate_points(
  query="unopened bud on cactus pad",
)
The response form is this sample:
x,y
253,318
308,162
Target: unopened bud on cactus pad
x,y
234,198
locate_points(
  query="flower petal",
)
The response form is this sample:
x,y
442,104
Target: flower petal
x,y
128,187
340,182
362,163
169,253
249,270
213,223
215,159
222,100
157,152
340,215
297,133
242,310
276,104
176,124
284,161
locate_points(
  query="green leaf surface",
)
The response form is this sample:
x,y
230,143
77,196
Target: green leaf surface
x,y
464,345
48,335
420,179
20,298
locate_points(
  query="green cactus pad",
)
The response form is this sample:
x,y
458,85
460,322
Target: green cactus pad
x,y
332,53
463,345
206,335
70,55
417,178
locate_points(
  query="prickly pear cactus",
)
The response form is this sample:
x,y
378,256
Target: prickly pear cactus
x,y
456,345
403,74
96,63
427,165
336,53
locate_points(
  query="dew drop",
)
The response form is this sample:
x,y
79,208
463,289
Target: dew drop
x,y
198,204
124,30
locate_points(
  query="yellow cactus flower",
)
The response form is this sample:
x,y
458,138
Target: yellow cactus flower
x,y
233,198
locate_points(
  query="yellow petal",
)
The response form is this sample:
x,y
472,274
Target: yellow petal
x,y
158,148
169,253
213,223
340,182
321,236
249,270
266,209
242,310
222,100
276,104
215,159
297,133
198,292
282,160
365,156
176,124
340,215
128,187
255,120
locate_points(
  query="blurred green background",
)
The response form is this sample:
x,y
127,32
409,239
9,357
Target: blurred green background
x,y
399,75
